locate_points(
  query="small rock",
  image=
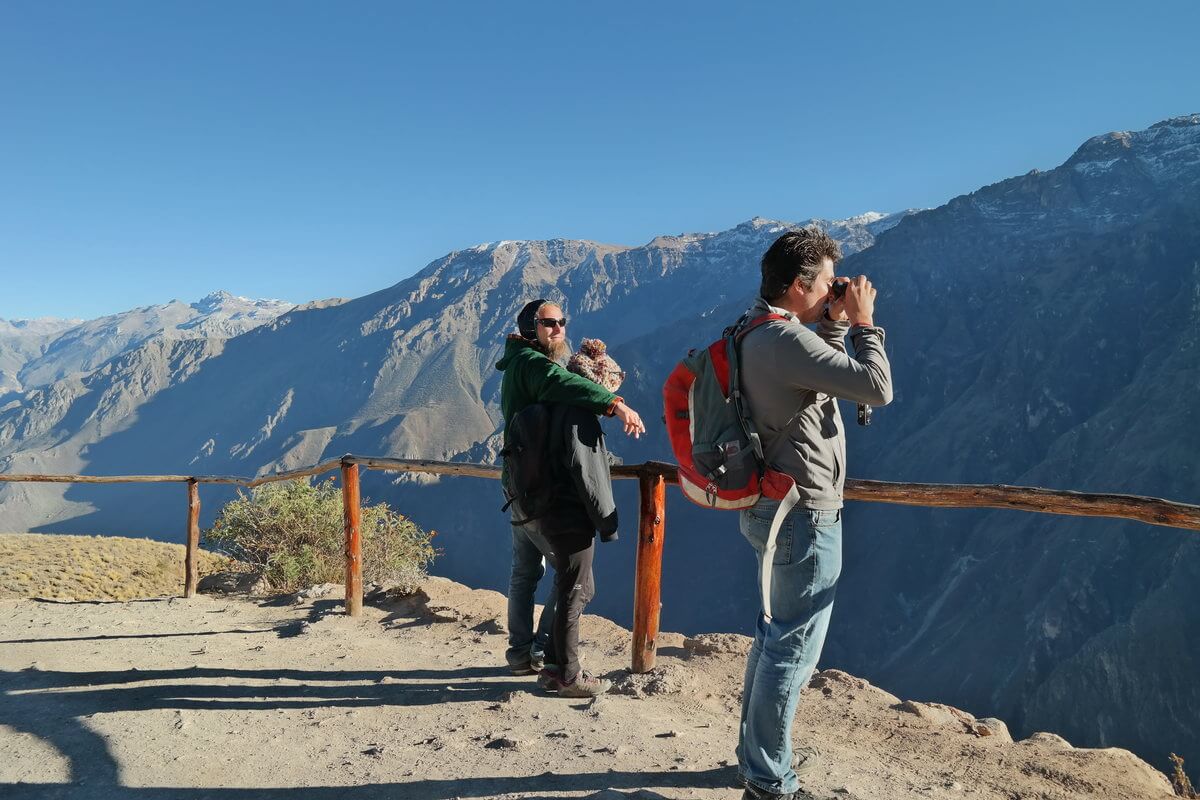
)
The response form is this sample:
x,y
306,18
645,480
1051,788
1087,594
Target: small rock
x,y
835,677
611,750
992,728
666,735
936,713
319,590
708,644
562,733
665,679
503,743
375,751
389,680
1053,739
251,583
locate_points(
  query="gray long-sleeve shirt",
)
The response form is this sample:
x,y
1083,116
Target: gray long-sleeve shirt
x,y
790,378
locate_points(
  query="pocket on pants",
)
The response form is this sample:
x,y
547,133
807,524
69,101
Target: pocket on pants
x,y
755,528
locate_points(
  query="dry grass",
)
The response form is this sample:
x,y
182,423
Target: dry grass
x,y
94,567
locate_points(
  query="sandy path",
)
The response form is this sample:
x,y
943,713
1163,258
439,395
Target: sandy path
x,y
223,699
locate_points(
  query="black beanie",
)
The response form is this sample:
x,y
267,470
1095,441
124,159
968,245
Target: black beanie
x,y
527,319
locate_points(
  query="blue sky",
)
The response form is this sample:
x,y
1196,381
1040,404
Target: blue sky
x,y
159,150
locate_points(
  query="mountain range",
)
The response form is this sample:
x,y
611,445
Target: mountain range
x,y
39,352
1043,330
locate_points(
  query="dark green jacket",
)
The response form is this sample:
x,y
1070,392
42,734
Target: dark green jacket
x,y
530,377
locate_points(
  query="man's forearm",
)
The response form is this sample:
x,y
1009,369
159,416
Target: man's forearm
x,y
833,332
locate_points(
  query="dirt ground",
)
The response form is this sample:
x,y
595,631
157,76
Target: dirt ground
x,y
233,698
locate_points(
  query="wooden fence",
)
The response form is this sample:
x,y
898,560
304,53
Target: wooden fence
x,y
652,477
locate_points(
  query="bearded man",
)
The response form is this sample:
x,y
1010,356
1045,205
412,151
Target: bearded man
x,y
534,373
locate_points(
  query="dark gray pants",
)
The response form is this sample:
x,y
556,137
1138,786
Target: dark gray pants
x,y
571,555
528,567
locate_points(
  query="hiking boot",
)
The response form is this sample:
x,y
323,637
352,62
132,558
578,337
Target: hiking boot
x,y
550,678
584,685
530,666
805,761
752,792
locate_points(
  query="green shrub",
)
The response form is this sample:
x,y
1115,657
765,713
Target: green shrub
x,y
293,533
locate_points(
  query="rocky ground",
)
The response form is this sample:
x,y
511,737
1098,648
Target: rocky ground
x,y
220,697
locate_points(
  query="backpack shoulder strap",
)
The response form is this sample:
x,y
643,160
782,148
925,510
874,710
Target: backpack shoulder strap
x,y
734,336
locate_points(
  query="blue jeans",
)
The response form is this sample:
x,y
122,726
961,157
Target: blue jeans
x,y
529,550
804,575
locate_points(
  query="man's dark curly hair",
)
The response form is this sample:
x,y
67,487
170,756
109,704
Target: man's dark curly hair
x,y
796,254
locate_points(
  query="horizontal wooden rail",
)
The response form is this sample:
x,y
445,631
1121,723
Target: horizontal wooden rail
x,y
1151,510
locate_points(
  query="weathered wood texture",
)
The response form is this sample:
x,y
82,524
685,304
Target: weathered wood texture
x,y
95,478
647,578
429,467
352,509
1152,510
191,568
292,475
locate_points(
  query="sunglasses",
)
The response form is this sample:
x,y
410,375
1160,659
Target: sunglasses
x,y
550,322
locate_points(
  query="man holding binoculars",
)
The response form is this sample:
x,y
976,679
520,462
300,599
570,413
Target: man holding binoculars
x,y
791,379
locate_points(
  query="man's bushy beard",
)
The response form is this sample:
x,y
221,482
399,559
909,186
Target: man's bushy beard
x,y
559,352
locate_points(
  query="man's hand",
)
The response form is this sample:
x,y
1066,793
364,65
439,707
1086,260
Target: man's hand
x,y
860,301
631,419
836,310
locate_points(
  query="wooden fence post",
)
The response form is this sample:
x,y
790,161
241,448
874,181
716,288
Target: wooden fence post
x,y
647,588
351,505
191,567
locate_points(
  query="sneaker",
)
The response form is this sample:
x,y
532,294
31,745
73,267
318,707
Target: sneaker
x,y
522,668
530,666
584,685
550,678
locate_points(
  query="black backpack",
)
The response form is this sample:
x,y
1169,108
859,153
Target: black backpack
x,y
531,465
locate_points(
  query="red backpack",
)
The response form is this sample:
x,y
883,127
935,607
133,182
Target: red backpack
x,y
722,463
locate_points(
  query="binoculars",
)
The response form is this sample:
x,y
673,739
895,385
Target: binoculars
x,y
838,290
